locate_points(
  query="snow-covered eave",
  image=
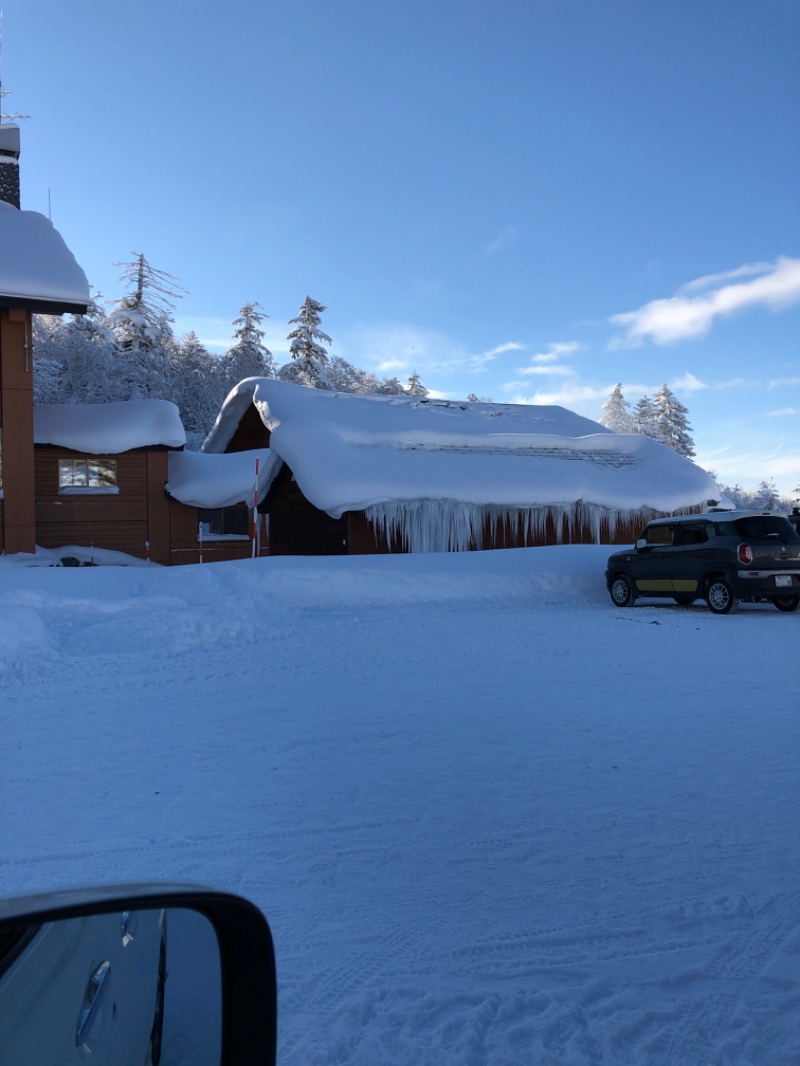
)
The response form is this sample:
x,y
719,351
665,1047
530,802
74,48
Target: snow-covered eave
x,y
43,305
109,428
208,480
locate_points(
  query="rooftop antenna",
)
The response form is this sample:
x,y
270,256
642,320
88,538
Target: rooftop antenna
x,y
5,92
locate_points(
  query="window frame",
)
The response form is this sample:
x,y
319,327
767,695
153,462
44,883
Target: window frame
x,y
223,513
96,479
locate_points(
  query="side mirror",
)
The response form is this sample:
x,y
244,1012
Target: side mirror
x,y
641,544
135,974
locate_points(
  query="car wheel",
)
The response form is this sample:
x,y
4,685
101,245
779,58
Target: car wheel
x,y
621,591
684,601
787,603
719,596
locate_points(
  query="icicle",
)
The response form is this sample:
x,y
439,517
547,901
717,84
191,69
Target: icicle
x,y
450,525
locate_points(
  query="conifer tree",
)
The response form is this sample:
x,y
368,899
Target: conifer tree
x,y
142,325
672,423
616,413
308,356
415,386
644,418
248,356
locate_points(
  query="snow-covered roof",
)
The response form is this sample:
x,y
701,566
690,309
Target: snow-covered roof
x,y
109,428
201,479
372,453
37,270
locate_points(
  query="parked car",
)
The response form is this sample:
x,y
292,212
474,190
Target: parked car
x,y
722,556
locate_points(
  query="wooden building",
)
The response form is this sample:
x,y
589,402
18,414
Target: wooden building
x,y
359,474
37,274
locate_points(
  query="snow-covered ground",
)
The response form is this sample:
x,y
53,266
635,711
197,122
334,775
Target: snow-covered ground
x,y
491,818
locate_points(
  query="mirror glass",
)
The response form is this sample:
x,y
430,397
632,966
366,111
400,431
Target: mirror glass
x,y
129,988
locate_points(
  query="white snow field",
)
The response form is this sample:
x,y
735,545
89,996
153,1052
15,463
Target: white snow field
x,y
490,817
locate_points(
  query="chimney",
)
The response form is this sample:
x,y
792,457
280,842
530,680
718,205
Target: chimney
x,y
9,164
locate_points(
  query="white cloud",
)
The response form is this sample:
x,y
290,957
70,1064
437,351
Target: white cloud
x,y
506,238
571,396
684,316
556,351
552,370
747,466
399,347
783,412
689,383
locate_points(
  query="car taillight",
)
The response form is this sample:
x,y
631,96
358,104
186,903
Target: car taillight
x,y
745,553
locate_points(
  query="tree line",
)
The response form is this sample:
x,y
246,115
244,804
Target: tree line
x,y
666,419
131,352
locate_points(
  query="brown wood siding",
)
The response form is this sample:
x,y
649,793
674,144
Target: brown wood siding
x,y
158,506
298,528
251,433
362,540
118,522
184,546
16,419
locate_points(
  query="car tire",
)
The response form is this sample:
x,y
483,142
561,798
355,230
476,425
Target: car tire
x,y
787,603
621,591
719,596
684,601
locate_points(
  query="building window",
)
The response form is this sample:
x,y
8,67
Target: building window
x,y
224,522
87,476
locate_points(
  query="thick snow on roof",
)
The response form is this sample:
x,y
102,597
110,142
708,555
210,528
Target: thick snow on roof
x,y
352,453
280,401
35,263
200,479
109,428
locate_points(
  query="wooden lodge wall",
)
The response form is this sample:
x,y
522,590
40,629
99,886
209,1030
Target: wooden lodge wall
x,y
124,521
299,528
17,530
185,546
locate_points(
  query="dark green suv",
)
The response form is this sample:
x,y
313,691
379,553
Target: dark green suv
x,y
723,556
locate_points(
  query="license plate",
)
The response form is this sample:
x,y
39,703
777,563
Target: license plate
x,y
783,581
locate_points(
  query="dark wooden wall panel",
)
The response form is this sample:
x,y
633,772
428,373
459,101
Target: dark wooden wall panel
x,y
251,433
298,528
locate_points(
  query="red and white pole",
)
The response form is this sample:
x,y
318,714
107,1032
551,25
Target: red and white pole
x,y
255,510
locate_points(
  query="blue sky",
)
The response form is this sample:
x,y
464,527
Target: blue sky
x,y
526,200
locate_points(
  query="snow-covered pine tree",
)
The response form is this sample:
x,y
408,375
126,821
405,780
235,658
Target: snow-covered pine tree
x,y
767,497
616,412
309,358
195,386
391,387
644,418
415,386
344,377
74,358
142,325
248,356
671,420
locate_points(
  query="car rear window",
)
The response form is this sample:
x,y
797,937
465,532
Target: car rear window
x,y
759,527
